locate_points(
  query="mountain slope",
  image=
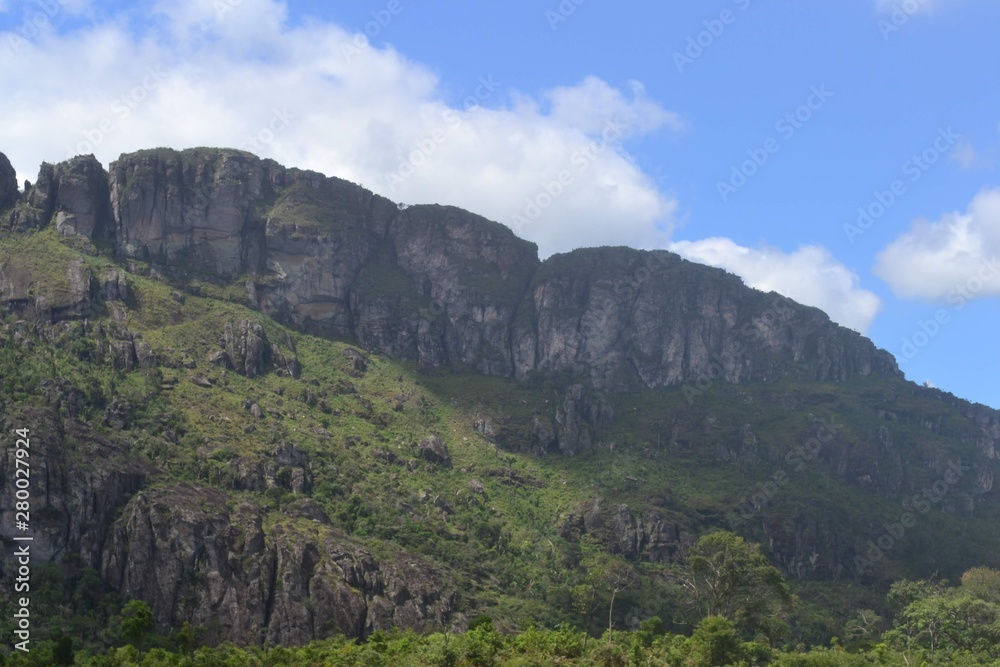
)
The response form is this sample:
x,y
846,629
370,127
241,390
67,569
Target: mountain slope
x,y
278,406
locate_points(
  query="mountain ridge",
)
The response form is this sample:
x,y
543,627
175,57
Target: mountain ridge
x,y
277,406
433,284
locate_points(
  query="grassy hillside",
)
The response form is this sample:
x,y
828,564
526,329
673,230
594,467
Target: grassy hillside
x,y
812,472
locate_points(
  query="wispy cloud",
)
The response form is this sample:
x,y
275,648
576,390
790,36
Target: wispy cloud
x,y
969,157
809,275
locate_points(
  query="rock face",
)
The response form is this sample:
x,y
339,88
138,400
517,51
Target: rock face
x,y
194,557
82,199
433,449
79,481
281,585
576,417
201,213
439,285
8,184
649,537
653,319
73,195
246,347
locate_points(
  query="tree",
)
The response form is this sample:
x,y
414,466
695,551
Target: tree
x,y
62,652
187,638
618,578
584,603
866,626
729,577
938,617
715,642
137,622
983,583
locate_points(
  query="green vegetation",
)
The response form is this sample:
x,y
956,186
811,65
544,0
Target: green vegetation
x,y
935,625
510,530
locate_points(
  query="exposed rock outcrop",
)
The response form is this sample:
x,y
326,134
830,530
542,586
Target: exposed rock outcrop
x,y
82,199
653,319
193,558
63,291
79,479
433,449
247,349
200,214
439,285
646,537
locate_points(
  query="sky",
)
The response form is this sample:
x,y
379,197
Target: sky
x,y
843,153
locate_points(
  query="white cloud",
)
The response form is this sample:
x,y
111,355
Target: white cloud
x,y
968,157
589,105
810,275
958,253
315,96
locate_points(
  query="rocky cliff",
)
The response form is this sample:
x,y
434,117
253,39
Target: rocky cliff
x,y
435,284
203,453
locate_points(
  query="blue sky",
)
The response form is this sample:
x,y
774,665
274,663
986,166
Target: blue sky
x,y
742,133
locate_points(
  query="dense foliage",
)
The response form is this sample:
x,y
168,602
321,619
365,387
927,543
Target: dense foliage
x,y
935,624
535,543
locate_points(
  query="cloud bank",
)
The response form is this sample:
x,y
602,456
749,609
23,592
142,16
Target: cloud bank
x,y
315,95
810,275
956,254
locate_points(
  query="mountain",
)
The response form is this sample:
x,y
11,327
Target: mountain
x,y
277,406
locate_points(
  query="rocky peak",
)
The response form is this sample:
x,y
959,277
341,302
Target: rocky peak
x,y
82,201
